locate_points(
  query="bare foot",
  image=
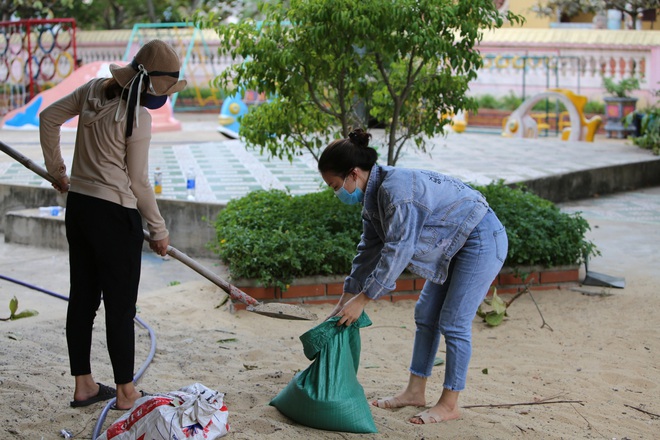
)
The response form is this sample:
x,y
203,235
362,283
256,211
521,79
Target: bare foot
x,y
436,414
81,394
125,402
398,401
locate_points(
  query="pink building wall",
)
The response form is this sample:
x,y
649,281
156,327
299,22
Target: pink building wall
x,y
577,58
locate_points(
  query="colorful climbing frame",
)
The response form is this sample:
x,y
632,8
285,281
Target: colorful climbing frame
x,y
34,55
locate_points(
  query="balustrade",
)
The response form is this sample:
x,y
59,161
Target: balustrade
x,y
522,69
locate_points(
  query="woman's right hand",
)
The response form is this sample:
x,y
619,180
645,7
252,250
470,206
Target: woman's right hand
x,y
63,185
345,297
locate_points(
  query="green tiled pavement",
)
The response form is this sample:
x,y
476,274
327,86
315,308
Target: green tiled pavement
x,y
224,169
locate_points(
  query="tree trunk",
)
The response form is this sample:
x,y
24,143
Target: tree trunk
x,y
151,11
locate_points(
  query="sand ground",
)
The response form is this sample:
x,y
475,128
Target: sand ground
x,y
599,352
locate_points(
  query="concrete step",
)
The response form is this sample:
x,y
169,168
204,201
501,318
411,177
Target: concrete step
x,y
36,227
190,223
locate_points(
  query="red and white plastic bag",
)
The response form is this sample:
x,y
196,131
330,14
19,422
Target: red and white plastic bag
x,y
193,412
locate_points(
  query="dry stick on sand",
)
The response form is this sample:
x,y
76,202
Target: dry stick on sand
x,y
589,425
546,401
545,324
526,290
508,405
641,410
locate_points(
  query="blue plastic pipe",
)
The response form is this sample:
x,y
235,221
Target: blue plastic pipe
x,y
138,375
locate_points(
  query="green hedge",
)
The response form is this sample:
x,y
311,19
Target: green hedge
x,y
539,233
274,237
511,102
649,137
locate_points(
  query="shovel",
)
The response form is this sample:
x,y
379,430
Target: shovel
x,y
273,310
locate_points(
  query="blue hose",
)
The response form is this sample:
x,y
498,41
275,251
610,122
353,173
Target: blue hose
x,y
56,295
138,375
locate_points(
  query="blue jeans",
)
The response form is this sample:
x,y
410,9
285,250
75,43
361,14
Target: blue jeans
x,y
450,308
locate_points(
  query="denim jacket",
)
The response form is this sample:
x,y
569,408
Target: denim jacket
x,y
414,219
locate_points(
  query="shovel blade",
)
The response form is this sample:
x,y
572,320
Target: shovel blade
x,y
602,280
283,311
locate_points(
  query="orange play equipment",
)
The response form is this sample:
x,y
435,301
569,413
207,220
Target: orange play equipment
x,y
522,123
458,121
588,127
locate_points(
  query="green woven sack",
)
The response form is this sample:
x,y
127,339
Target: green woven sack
x,y
327,395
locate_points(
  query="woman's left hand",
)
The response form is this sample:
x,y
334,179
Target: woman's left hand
x,y
352,310
160,246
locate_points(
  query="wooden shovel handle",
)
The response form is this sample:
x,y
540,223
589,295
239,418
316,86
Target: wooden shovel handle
x,y
232,290
27,163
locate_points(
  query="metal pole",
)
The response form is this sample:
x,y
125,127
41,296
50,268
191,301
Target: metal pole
x,y
28,30
524,69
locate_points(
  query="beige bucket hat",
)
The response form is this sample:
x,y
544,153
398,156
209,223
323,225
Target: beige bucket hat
x,y
159,62
155,69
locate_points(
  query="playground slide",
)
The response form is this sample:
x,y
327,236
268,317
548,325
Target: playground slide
x,y
27,116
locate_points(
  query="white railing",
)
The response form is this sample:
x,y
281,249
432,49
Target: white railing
x,y
524,75
525,69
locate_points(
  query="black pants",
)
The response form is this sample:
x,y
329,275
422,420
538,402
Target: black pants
x,y
105,246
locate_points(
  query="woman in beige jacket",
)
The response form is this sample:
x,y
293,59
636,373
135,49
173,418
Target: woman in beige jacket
x,y
109,195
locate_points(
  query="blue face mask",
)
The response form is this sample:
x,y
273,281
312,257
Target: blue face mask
x,y
154,102
353,198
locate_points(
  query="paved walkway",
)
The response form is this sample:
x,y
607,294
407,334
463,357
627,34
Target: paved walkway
x,y
225,170
625,226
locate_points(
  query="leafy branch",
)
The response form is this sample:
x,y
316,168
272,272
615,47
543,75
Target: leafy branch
x,y
498,308
13,307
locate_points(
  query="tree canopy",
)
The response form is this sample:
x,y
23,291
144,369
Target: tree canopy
x,y
123,14
30,8
571,8
328,67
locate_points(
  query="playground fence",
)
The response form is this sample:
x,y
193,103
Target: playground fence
x,y
522,62
34,55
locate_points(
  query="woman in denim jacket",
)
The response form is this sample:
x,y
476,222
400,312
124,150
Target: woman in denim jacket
x,y
436,227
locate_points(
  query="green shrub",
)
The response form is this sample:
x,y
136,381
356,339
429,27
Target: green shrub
x,y
539,233
274,237
594,108
550,105
649,138
203,93
487,101
510,101
622,88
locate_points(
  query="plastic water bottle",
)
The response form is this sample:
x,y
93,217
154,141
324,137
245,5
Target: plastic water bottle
x,y
190,184
54,211
158,181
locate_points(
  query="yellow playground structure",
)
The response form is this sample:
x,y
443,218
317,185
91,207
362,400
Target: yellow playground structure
x,y
572,123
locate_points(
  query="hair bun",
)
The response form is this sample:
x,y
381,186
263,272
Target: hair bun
x,y
359,137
